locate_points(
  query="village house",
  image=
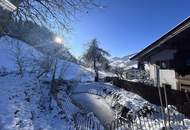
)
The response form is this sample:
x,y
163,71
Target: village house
x,y
168,58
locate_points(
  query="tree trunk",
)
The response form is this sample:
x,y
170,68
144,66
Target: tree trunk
x,y
53,77
96,76
96,72
53,85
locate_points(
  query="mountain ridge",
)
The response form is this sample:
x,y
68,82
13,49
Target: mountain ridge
x,y
123,62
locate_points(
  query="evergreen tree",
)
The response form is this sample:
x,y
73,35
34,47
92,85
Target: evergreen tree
x,y
95,56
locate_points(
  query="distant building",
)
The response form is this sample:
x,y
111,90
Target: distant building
x,y
171,54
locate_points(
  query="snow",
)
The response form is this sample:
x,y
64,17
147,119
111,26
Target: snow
x,y
7,52
111,96
66,104
25,103
66,70
129,99
123,62
73,71
97,105
102,73
20,109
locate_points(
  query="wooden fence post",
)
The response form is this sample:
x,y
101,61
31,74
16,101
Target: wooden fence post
x,y
166,101
159,92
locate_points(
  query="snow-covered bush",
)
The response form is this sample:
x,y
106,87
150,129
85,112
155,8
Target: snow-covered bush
x,y
146,110
138,75
118,71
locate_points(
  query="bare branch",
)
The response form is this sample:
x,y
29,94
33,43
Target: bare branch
x,y
57,13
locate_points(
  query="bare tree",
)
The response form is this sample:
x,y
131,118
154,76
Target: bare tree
x,y
46,64
106,65
63,70
18,57
53,13
41,66
119,71
96,56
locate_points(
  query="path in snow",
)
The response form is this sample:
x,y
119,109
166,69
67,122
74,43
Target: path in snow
x,y
97,105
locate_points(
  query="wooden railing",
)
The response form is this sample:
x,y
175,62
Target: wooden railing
x,y
184,84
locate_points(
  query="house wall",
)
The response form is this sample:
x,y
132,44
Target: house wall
x,y
167,76
152,70
163,55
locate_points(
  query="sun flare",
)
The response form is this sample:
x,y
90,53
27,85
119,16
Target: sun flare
x,y
58,40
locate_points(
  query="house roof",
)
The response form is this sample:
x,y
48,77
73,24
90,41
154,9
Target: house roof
x,y
5,4
162,40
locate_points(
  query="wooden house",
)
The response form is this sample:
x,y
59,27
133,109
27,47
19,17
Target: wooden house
x,y
171,54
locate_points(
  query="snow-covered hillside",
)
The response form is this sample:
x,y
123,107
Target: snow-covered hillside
x,y
25,102
10,48
23,106
123,62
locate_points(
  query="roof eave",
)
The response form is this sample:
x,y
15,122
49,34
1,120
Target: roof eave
x,y
173,32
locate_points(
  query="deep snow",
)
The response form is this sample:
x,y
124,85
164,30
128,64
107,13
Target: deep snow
x,y
20,108
112,95
25,104
97,105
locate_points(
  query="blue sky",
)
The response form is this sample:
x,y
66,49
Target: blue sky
x,y
126,26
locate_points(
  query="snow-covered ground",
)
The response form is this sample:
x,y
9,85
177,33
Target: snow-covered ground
x,y
22,106
113,96
9,47
26,102
97,105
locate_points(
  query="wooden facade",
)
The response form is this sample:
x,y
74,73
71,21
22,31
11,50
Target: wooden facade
x,y
171,52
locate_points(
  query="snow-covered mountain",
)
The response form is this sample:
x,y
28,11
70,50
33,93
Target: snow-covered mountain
x,y
123,62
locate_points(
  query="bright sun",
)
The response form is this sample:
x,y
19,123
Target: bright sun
x,y
58,40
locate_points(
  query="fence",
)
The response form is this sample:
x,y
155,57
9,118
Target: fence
x,y
87,122
150,122
150,93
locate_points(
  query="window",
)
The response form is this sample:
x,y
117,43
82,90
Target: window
x,y
158,63
167,86
164,64
187,62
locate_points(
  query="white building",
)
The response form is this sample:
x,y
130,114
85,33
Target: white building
x,y
171,54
